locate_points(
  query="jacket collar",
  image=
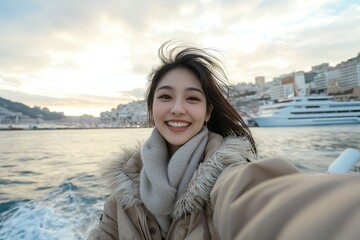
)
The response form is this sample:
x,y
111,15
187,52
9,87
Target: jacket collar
x,y
123,174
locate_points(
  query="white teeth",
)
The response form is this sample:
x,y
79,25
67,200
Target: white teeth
x,y
178,124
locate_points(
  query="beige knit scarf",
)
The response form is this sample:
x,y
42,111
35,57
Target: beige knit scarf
x,y
162,180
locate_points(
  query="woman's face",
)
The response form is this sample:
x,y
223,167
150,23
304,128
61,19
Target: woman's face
x,y
179,107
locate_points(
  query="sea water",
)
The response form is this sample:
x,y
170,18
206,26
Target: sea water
x,y
50,185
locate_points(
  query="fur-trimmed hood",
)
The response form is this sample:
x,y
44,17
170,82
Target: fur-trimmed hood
x,y
123,173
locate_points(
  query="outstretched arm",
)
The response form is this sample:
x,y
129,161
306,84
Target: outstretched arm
x,y
264,200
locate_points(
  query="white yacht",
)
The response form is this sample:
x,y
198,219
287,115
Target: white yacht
x,y
308,111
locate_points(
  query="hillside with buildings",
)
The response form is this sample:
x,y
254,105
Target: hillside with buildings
x,y
14,112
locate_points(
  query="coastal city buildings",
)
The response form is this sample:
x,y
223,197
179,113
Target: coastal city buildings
x,y
341,81
344,78
133,114
9,116
318,84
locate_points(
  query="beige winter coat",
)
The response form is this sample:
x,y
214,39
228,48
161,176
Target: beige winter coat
x,y
267,199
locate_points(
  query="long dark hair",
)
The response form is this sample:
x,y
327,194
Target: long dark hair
x,y
208,69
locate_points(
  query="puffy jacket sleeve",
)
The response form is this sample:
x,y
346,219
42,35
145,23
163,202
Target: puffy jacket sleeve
x,y
116,222
270,199
107,227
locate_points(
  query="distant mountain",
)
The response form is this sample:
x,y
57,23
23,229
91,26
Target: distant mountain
x,y
34,112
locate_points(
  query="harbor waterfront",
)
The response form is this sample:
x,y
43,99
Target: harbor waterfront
x,y
50,179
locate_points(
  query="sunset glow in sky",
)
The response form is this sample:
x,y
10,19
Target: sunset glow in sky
x,y
85,57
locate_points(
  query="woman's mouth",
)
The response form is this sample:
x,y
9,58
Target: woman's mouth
x,y
177,124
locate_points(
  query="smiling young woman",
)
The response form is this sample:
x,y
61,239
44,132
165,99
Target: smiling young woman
x,y
210,74
179,107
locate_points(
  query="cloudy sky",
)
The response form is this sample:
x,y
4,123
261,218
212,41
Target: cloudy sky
x,y
84,57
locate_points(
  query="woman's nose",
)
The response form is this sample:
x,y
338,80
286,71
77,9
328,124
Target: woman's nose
x,y
178,108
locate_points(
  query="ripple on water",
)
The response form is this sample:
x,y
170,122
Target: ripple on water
x,y
25,159
7,166
27,173
43,188
16,182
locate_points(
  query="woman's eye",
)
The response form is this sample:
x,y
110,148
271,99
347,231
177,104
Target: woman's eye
x,y
193,99
165,97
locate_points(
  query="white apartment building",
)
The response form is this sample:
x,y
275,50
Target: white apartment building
x,y
333,76
300,85
349,75
320,82
281,91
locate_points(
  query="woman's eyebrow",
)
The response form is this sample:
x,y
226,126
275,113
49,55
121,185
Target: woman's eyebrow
x,y
165,87
187,89
194,89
